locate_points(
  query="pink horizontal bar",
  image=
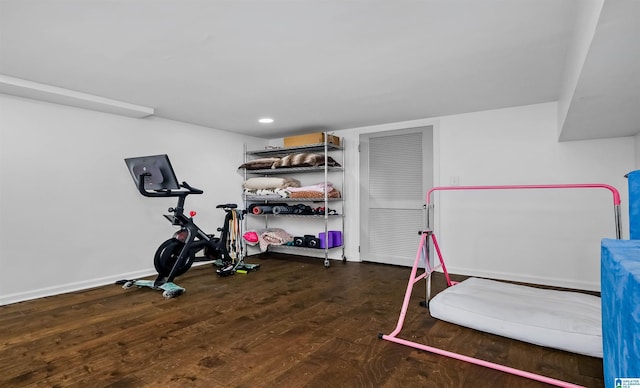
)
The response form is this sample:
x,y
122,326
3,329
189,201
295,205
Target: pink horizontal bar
x,y
614,191
487,364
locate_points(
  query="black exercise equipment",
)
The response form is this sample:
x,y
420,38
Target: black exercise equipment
x,y
154,177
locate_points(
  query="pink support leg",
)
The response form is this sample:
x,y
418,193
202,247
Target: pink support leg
x,y
414,278
444,268
487,364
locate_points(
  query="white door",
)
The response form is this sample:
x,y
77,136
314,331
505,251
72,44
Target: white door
x,y
396,170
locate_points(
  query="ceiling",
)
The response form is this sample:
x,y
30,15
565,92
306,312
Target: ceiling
x,y
318,65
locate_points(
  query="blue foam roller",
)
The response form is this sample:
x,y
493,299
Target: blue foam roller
x,y
634,204
620,282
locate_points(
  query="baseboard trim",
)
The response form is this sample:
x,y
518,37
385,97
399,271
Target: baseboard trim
x,y
548,281
71,287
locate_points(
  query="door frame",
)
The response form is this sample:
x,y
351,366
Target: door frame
x,y
390,131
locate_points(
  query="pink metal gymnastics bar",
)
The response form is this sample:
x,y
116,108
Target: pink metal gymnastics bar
x,y
614,192
423,252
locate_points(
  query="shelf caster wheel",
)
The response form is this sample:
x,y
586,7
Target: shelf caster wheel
x,y
424,303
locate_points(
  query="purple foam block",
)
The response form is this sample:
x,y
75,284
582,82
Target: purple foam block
x,y
335,237
325,240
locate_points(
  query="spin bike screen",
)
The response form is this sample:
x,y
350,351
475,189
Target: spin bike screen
x,y
162,175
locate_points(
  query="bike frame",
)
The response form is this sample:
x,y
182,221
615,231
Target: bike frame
x,y
196,239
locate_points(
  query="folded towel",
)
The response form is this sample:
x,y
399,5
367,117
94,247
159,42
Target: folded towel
x,y
259,164
270,183
319,187
274,236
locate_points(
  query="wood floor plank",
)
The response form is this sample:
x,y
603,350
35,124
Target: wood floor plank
x,y
292,323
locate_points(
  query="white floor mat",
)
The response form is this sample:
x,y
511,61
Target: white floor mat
x,y
564,320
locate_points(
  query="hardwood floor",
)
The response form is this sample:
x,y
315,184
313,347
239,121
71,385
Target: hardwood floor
x,y
293,323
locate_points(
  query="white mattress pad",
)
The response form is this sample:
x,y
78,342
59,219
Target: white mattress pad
x,y
564,320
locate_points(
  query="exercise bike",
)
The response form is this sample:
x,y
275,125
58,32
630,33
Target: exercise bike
x,y
176,255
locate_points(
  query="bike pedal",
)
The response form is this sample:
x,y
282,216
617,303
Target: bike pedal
x,y
128,284
168,294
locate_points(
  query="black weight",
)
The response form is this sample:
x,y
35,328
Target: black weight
x,y
311,241
299,241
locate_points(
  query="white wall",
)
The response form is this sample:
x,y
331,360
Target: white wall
x,y
71,217
587,16
542,237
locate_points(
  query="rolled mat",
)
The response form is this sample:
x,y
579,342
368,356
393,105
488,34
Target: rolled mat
x,y
283,210
262,209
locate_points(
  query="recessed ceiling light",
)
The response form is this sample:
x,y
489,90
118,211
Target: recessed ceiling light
x,y
266,120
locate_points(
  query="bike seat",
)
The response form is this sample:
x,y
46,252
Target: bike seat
x,y
227,206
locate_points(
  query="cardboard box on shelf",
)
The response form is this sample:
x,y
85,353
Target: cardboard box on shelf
x,y
310,138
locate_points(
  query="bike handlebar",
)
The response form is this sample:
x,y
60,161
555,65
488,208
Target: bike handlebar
x,y
166,193
192,190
